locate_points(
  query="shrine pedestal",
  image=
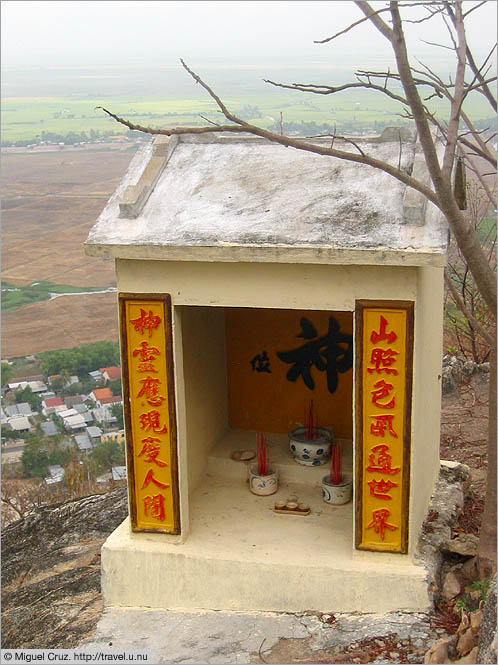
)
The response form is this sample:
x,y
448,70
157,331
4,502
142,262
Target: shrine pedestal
x,y
240,555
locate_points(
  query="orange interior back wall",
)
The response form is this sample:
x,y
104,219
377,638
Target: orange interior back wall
x,y
268,401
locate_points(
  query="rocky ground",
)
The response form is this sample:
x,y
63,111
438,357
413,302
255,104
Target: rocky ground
x,y
51,572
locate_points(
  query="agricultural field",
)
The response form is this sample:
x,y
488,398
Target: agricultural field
x,y
16,296
158,97
50,201
52,197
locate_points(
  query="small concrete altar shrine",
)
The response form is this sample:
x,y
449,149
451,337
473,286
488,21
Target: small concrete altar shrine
x,y
253,278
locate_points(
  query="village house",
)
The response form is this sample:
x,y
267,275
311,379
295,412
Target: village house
x,y
72,401
52,405
19,424
83,410
74,423
101,396
103,414
96,376
83,442
71,381
119,474
72,420
21,409
95,434
35,386
49,428
118,436
110,373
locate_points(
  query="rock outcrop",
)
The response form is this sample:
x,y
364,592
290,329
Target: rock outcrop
x,y
51,571
487,652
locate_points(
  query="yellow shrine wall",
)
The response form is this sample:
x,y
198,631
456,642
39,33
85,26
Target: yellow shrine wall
x,y
268,401
204,381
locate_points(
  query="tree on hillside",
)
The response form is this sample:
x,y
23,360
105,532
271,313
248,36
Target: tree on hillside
x,y
413,87
108,454
8,372
38,454
115,387
81,359
467,318
20,498
117,412
27,395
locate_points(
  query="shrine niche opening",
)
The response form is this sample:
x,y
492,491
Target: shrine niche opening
x,y
247,370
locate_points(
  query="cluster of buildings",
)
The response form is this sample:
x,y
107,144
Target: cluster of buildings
x,y
84,420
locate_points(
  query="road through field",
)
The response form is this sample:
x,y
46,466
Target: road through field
x,y
50,201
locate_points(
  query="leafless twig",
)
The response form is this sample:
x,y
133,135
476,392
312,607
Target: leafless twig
x,y
350,27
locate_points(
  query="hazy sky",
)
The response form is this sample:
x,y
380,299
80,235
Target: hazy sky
x,y
82,32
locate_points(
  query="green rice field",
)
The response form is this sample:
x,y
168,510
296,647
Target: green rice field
x,y
14,296
154,98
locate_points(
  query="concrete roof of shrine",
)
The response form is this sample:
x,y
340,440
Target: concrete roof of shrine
x,y
239,199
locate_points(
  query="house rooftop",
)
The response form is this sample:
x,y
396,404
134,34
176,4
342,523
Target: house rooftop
x,y
113,399
102,393
118,472
113,372
53,401
20,423
83,441
49,428
217,198
21,409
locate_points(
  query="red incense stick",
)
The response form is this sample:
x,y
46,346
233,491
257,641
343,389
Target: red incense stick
x,y
310,423
335,465
262,453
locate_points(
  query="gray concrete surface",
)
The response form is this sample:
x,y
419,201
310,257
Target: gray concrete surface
x,y
227,637
214,195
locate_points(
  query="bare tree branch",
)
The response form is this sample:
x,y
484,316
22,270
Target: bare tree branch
x,y
458,96
467,239
174,131
330,90
480,4
211,122
341,138
441,192
350,27
489,95
299,143
381,25
449,48
461,306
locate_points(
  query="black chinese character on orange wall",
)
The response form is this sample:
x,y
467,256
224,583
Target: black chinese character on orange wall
x,y
261,363
331,353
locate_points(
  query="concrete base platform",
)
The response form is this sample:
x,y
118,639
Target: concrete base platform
x,y
240,555
219,638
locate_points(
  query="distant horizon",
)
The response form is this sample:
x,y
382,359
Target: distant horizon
x,y
128,33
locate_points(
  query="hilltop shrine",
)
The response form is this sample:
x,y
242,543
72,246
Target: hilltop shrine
x,y
254,278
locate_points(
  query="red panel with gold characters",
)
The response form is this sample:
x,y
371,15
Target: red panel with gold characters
x,y
384,350
149,407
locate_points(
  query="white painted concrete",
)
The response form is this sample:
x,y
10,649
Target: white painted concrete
x,y
249,200
282,286
242,555
426,404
